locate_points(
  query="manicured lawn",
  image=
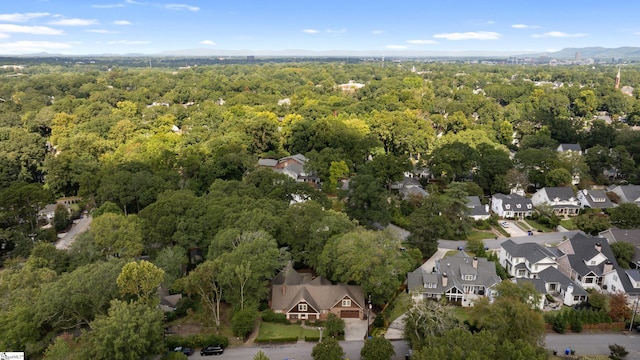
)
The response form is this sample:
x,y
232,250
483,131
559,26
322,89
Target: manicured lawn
x,y
524,225
568,224
276,331
480,235
536,225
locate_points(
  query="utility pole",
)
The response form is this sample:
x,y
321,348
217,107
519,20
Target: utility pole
x,y
368,316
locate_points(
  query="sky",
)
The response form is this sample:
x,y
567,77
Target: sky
x,y
90,27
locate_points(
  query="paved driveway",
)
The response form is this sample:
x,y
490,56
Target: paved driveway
x,y
355,329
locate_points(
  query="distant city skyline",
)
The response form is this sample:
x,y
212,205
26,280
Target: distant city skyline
x,y
85,27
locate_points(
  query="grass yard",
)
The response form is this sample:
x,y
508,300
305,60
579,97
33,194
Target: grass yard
x,y
277,331
568,224
537,226
480,235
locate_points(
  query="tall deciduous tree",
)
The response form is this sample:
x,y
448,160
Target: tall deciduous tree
x,y
205,282
625,216
328,349
130,331
377,348
140,279
623,252
117,235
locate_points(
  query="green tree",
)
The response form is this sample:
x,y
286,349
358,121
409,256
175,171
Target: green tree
x,y
140,279
558,177
618,352
328,349
204,281
243,322
172,260
129,331
63,347
623,252
334,326
337,171
61,218
377,348
625,216
117,235
592,222
260,356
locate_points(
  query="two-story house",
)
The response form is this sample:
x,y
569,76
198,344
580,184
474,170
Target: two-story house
x,y
534,263
460,278
561,199
512,206
631,236
293,166
594,199
590,262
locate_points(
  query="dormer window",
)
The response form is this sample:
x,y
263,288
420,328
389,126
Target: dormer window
x,y
507,206
528,206
518,206
468,277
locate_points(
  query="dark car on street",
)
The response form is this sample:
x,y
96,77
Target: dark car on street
x,y
212,350
185,350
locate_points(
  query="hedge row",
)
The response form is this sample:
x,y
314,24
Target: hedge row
x,y
195,341
276,340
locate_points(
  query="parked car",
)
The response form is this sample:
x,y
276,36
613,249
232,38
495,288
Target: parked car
x,y
212,350
185,350
504,224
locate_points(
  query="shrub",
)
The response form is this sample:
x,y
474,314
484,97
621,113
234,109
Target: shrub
x,y
183,306
243,322
378,321
276,340
559,324
270,316
312,338
576,325
171,355
195,341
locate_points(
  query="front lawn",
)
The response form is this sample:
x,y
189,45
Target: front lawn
x,y
536,225
278,331
568,224
480,235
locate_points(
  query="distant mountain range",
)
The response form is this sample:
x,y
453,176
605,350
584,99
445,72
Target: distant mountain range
x,y
567,53
627,52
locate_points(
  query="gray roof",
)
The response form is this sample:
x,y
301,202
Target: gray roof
x,y
597,199
513,200
631,236
630,193
562,192
551,274
473,201
267,162
533,252
475,207
455,267
569,147
633,274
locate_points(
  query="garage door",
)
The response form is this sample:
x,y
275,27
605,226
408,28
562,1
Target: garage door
x,y
350,314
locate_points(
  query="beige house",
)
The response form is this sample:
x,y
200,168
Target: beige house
x,y
301,296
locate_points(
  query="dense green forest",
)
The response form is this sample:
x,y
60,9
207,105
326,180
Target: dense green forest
x,y
166,160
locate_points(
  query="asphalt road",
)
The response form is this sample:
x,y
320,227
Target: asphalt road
x,y
79,225
583,344
299,351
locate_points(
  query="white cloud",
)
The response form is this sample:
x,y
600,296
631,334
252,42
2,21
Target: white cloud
x,y
4,36
377,32
207,42
34,30
310,31
122,22
396,47
490,22
21,47
101,31
74,22
107,6
524,26
339,31
130,42
473,35
557,34
182,7
421,42
22,17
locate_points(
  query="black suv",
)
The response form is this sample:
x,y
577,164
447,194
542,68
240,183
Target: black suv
x,y
212,350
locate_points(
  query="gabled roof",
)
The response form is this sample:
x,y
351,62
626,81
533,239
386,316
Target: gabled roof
x,y
597,199
633,274
513,200
267,162
532,252
290,288
631,236
552,274
569,147
475,207
630,193
562,192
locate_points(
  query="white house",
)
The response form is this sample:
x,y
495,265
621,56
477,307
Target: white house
x,y
594,199
511,206
561,199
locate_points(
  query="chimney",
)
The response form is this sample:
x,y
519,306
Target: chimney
x,y
599,247
608,267
444,279
475,262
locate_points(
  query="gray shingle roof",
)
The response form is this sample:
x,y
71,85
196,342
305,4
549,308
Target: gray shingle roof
x,y
562,192
569,147
513,200
532,252
597,199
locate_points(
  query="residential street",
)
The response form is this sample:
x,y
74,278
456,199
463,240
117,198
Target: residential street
x,y
79,226
583,344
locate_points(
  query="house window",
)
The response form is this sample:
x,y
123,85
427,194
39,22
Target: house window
x,y
615,278
346,303
588,280
613,288
468,277
518,206
302,307
528,206
507,206
592,262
